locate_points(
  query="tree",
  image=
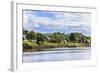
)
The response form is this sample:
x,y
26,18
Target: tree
x,y
78,37
40,38
57,37
72,37
31,35
88,40
25,32
67,37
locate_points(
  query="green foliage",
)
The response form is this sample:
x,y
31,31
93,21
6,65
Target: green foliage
x,y
72,37
25,31
57,37
26,46
37,41
31,35
40,38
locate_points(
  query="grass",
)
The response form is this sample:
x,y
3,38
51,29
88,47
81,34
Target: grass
x,y
32,46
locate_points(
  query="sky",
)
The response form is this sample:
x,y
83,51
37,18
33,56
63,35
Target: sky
x,y
50,21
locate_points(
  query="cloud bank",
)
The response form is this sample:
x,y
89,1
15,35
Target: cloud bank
x,y
47,21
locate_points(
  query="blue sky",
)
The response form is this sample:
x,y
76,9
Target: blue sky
x,y
50,21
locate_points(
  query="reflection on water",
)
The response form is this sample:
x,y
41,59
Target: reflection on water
x,y
70,54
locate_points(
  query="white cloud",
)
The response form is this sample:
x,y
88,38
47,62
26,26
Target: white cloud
x,y
61,21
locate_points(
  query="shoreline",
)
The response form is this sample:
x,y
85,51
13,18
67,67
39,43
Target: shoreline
x,y
57,50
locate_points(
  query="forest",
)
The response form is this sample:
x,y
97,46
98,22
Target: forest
x,y
36,41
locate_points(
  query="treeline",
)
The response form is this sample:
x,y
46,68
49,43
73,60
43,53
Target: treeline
x,y
56,39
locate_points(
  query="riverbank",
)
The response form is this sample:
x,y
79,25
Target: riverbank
x,y
59,50
29,46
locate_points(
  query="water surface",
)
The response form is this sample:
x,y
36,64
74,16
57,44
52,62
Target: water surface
x,y
58,55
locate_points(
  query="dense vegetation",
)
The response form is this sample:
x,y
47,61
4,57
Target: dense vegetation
x,y
34,41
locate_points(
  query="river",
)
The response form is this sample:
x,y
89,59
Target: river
x,y
62,55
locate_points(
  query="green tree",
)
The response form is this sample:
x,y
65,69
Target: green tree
x,y
67,37
40,38
72,37
25,32
78,37
57,37
31,35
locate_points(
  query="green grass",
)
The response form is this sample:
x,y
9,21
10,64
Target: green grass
x,y
33,46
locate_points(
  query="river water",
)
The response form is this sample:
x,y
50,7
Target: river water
x,y
62,55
